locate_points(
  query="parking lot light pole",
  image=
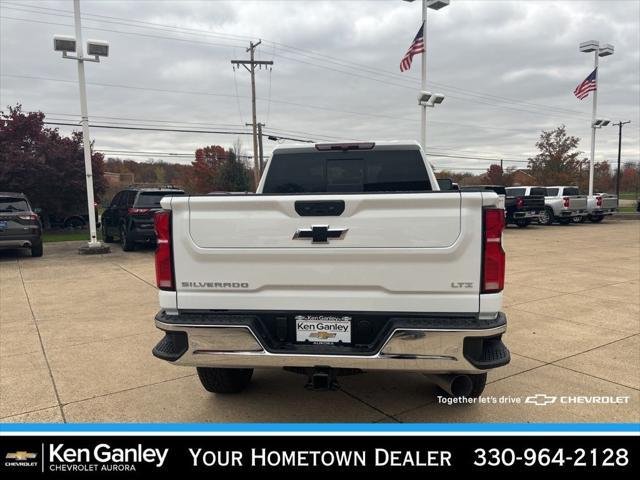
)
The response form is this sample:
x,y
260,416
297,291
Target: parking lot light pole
x,y
598,51
620,124
435,5
97,49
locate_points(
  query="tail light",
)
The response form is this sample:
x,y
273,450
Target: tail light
x,y
493,260
565,202
519,202
599,201
28,216
164,261
138,211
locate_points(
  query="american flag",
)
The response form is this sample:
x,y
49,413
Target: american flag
x,y
587,85
417,46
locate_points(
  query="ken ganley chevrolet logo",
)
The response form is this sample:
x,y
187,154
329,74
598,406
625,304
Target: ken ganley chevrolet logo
x,y
102,458
20,459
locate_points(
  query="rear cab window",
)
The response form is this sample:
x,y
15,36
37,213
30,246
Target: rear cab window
x,y
516,192
152,199
571,191
348,171
538,191
552,192
13,204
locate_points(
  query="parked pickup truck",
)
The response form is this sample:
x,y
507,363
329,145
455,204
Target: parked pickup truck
x,y
524,204
562,204
521,208
600,205
348,258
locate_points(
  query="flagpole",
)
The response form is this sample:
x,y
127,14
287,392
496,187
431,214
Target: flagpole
x,y
593,126
423,113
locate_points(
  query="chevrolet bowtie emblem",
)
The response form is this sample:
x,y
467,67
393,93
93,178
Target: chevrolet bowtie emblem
x,y
20,455
320,233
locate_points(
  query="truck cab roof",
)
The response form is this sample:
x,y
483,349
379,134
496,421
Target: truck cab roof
x,y
368,145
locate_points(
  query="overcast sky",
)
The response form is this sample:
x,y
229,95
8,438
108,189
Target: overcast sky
x,y
508,70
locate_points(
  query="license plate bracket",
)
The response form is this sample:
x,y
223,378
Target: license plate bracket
x,y
325,329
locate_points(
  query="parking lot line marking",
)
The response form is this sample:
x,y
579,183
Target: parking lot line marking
x,y
44,352
136,276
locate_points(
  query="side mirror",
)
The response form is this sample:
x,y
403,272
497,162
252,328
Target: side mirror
x,y
37,210
446,184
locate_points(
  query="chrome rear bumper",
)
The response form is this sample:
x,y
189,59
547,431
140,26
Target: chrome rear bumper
x,y
408,349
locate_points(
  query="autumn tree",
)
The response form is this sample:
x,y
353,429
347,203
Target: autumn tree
x,y
630,177
47,167
558,162
495,175
217,170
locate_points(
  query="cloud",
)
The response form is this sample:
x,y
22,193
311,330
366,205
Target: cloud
x,y
508,70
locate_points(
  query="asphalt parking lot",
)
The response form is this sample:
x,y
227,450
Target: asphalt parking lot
x,y
76,334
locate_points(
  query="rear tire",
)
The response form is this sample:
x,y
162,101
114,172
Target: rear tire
x,y
37,249
522,223
224,380
579,219
105,237
596,218
546,217
127,245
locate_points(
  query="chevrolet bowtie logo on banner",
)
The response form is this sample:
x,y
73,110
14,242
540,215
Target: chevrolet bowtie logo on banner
x,y
541,399
20,455
20,460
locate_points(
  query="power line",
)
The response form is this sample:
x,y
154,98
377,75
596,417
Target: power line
x,y
177,130
283,102
115,127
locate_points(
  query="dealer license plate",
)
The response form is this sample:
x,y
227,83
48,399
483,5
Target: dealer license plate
x,y
323,329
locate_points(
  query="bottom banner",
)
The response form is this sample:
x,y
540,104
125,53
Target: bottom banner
x,y
125,455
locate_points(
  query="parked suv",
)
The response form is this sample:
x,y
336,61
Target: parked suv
x,y
130,215
20,225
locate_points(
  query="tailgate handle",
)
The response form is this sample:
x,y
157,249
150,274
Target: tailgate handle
x,y
320,208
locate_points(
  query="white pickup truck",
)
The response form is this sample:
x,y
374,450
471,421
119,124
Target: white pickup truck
x,y
348,258
562,204
600,205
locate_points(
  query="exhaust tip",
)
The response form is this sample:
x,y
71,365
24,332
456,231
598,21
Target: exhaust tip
x,y
461,386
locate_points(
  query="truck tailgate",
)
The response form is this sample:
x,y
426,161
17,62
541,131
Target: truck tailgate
x,y
578,203
609,202
397,252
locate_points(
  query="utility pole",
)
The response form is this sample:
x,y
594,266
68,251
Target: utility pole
x,y
251,68
260,125
619,124
260,154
